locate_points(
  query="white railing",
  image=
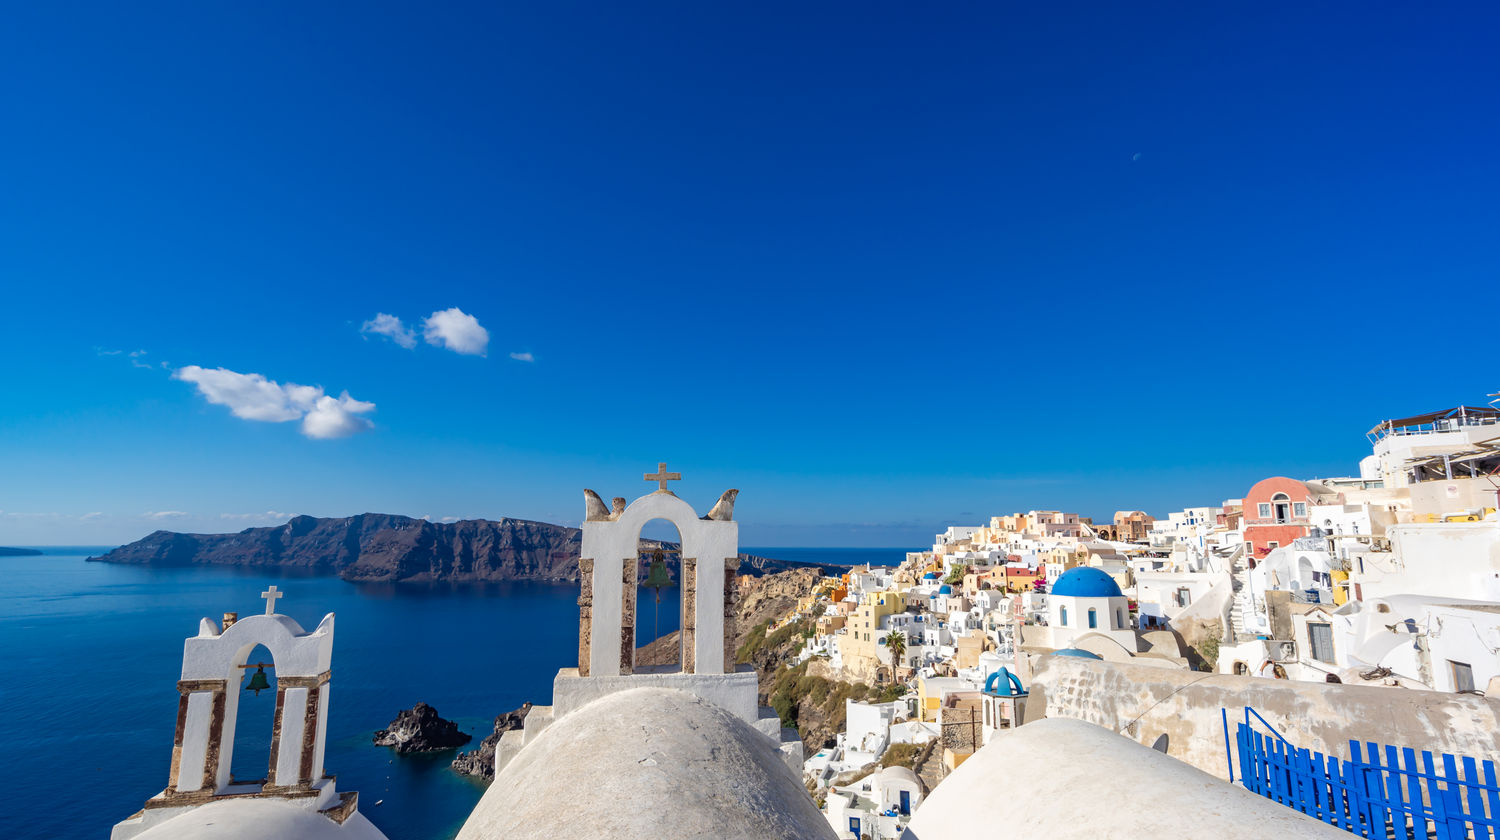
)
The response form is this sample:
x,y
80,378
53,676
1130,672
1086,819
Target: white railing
x,y
1437,427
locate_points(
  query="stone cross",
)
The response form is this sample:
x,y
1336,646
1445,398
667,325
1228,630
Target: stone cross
x,y
271,595
661,476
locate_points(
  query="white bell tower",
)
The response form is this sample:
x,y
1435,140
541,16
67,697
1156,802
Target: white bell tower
x,y
207,707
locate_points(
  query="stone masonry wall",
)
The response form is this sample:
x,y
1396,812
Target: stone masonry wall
x,y
1146,703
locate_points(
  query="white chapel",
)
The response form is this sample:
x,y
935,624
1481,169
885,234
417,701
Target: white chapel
x,y
662,751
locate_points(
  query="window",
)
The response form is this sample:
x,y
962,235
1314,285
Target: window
x,y
1320,635
1119,619
1093,618
1272,545
1264,509
1064,616
1463,676
1299,510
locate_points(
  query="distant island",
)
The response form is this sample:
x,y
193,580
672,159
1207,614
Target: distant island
x,y
387,547
19,552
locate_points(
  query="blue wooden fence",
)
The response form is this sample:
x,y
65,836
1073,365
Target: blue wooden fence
x,y
1381,792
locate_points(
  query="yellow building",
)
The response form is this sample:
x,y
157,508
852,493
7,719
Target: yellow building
x,y
1061,555
806,603
858,646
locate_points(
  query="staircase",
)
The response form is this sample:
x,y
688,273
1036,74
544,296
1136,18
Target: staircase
x,y
1240,581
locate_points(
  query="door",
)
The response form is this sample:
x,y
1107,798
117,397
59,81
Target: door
x,y
1320,635
906,802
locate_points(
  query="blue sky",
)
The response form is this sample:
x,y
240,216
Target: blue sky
x,y
883,268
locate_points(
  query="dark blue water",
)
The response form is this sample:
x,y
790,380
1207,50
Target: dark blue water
x,y
92,653
836,556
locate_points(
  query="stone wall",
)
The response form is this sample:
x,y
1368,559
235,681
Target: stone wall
x,y
1148,704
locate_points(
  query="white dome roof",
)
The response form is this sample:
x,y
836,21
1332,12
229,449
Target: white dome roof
x,y
257,819
1085,782
647,763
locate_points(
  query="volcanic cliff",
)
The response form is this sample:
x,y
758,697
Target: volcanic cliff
x,y
386,547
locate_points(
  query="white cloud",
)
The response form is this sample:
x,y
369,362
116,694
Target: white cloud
x,y
456,330
335,418
450,519
391,327
89,517
165,514
523,357
251,396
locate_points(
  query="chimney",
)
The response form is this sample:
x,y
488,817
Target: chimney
x,y
230,618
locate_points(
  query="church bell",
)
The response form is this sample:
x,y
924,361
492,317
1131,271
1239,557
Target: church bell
x,y
258,681
658,578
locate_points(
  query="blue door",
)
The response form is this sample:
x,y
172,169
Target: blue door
x,y
854,826
906,802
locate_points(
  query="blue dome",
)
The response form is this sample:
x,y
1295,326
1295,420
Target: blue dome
x,y
1086,582
930,576
945,589
1081,654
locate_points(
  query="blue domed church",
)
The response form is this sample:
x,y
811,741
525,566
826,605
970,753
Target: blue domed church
x,y
1085,601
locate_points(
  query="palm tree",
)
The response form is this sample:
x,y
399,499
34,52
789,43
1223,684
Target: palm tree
x,y
896,644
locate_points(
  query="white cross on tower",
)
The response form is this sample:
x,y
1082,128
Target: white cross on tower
x,y
271,595
661,476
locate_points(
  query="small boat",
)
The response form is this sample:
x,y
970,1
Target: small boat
x,y
377,803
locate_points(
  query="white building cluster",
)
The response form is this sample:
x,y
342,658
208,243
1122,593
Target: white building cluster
x,y
1390,577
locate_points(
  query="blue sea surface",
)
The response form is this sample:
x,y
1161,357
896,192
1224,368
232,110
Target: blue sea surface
x,y
92,653
835,556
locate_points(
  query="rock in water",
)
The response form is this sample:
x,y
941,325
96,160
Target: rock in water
x,y
419,729
481,762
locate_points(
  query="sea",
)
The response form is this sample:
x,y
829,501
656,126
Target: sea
x,y
92,652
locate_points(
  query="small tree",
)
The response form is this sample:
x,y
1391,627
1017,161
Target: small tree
x,y
896,643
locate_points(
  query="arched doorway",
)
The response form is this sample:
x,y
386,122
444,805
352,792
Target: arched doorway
x,y
1281,508
249,717
659,598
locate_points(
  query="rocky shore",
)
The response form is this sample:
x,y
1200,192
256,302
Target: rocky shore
x,y
420,729
481,762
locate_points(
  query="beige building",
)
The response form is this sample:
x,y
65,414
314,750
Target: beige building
x,y
857,646
1133,525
